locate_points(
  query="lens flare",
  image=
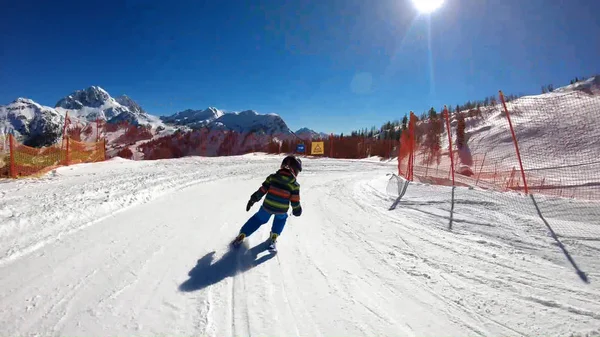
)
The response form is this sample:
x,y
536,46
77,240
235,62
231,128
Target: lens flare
x,y
428,6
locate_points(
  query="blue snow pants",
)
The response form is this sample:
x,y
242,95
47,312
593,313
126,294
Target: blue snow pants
x,y
262,217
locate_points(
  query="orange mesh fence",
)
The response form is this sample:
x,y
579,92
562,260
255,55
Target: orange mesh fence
x,y
80,152
542,153
4,157
27,161
557,134
30,161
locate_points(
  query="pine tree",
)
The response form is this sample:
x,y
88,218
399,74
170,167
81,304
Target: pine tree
x,y
434,131
460,131
432,113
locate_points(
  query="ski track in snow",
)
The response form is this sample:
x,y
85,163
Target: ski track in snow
x,y
141,248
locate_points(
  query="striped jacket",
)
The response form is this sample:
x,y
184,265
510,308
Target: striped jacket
x,y
281,189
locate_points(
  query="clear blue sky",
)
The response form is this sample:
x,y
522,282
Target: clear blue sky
x,y
333,66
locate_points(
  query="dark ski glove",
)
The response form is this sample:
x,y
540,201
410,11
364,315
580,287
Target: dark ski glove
x,y
297,212
249,205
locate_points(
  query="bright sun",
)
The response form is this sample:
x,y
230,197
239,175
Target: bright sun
x,y
427,6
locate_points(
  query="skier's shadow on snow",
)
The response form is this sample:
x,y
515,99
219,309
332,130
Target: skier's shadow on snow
x,y
235,261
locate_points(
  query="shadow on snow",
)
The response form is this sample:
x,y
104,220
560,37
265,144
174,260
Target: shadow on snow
x,y
235,261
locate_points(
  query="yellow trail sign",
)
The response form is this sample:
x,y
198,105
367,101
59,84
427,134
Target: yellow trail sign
x,y
318,148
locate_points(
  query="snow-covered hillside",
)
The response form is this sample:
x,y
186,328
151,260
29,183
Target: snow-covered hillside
x,y
558,137
590,86
140,248
553,129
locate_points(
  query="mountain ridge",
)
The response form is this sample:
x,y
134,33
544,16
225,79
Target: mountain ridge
x,y
86,106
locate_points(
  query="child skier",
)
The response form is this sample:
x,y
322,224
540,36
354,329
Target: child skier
x,y
281,189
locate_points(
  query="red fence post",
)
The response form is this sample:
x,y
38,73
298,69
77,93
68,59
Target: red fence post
x,y
11,141
67,120
515,141
68,159
446,115
412,145
399,155
331,145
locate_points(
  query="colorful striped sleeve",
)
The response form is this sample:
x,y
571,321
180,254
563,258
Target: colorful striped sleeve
x,y
262,190
295,196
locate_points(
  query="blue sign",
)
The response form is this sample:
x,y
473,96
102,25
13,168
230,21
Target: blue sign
x,y
300,148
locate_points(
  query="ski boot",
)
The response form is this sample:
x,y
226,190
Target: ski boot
x,y
272,241
238,240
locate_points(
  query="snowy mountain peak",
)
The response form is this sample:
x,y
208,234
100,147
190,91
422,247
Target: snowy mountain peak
x,y
309,133
248,113
126,101
304,130
218,113
194,118
252,121
31,122
22,100
244,121
93,97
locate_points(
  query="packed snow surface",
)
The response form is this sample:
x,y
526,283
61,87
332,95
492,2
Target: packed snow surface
x,y
140,248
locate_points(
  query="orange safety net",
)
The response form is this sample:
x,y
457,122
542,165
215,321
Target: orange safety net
x,y
547,144
24,160
80,152
30,161
4,157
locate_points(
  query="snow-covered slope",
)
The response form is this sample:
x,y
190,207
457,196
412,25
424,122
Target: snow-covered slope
x,y
194,118
306,133
558,137
552,128
30,122
590,86
140,248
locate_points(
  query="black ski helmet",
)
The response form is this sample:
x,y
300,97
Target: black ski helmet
x,y
293,163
